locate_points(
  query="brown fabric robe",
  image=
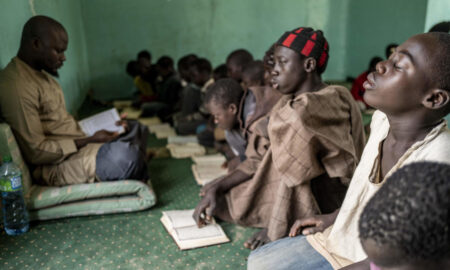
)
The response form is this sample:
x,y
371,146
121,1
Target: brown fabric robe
x,y
32,103
266,97
301,159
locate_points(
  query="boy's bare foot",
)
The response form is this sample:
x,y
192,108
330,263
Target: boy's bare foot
x,y
257,240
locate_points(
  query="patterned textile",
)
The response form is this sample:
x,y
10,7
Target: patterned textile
x,y
304,159
317,140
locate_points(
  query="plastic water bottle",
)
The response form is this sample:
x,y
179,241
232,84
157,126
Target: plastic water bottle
x,y
15,215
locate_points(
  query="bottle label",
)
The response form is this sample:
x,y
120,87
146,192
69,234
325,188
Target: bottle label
x,y
12,184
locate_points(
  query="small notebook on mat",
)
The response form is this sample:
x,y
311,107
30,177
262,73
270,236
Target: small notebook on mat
x,y
149,121
182,139
162,130
186,150
163,134
184,231
162,126
208,168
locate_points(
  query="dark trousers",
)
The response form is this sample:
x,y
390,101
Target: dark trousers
x,y
124,158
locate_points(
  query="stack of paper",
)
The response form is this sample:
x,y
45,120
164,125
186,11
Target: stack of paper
x,y
149,121
208,168
162,130
184,231
105,120
162,134
213,160
182,139
156,127
186,150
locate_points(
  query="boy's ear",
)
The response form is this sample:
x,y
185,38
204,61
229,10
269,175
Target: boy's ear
x,y
310,64
233,108
436,99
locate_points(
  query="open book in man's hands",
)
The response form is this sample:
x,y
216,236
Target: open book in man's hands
x,y
182,227
104,120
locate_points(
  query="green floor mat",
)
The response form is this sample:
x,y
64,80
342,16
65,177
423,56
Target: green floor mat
x,y
126,241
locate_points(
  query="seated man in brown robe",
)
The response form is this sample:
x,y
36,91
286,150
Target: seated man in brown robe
x,y
302,154
50,139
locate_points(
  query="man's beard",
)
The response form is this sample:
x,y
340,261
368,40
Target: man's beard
x,y
54,73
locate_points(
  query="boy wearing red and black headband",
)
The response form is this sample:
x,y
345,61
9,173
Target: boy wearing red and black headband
x,y
315,139
410,91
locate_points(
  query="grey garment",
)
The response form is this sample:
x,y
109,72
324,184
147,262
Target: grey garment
x,y
249,105
235,137
169,90
237,142
157,108
191,99
124,158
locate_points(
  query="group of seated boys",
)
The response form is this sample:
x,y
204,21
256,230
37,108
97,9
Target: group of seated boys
x,y
299,165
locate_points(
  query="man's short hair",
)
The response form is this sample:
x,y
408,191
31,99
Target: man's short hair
x,y
39,27
185,62
133,68
240,57
220,72
441,60
202,65
165,62
144,54
255,71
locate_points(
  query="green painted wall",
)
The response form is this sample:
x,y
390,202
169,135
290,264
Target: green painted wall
x,y
437,11
116,30
356,30
105,34
372,25
13,15
74,75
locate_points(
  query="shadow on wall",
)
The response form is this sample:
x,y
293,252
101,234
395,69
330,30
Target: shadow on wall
x,y
112,86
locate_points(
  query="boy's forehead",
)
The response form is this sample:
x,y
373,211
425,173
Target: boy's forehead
x,y
421,49
215,105
283,51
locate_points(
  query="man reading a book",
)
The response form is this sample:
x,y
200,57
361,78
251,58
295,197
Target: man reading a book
x,y
50,139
